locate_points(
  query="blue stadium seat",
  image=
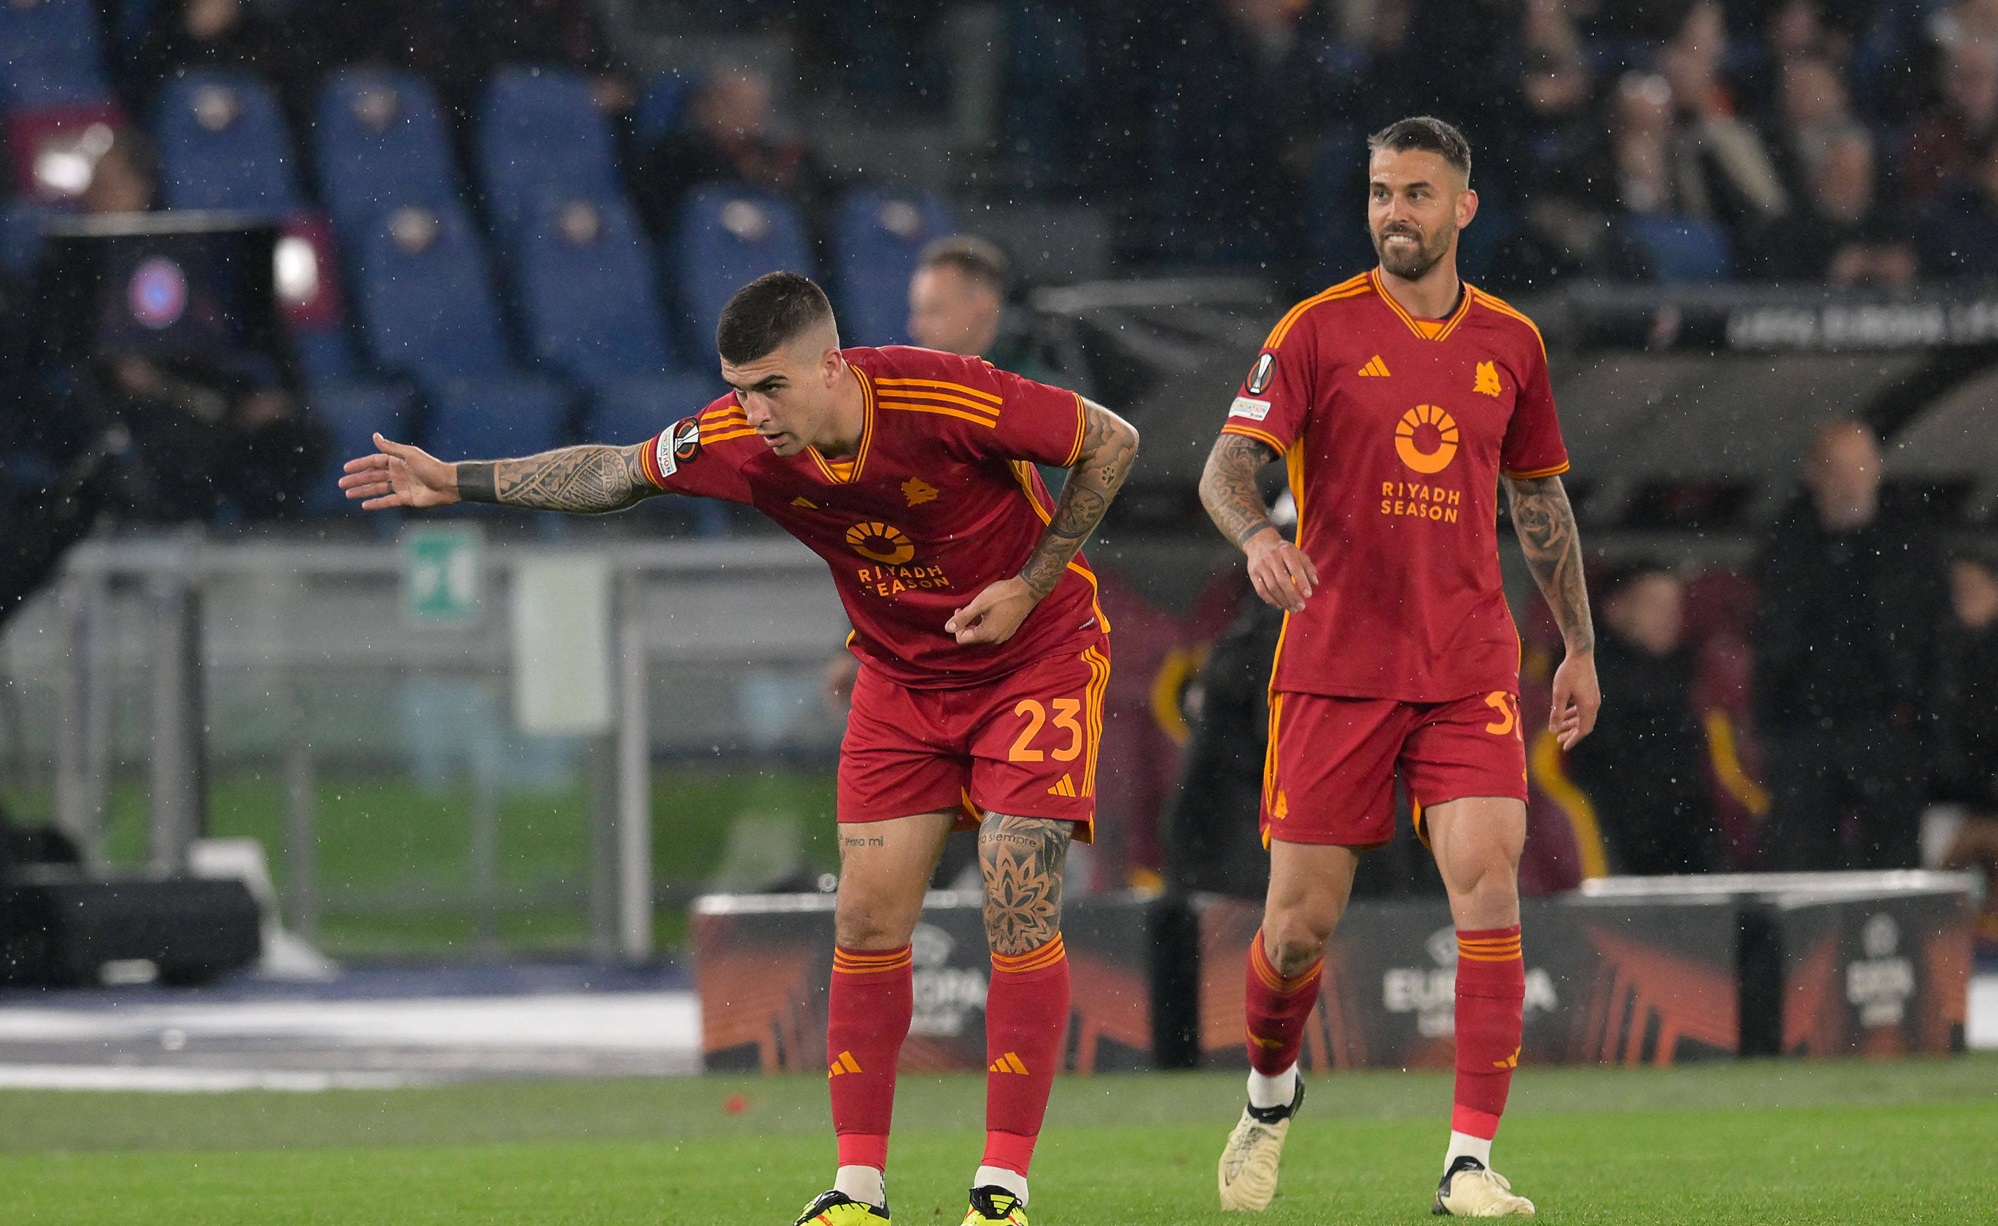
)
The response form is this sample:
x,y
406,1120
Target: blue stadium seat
x,y
424,299
223,145
352,413
584,275
727,237
1681,249
325,356
661,106
50,52
380,142
540,136
878,235
631,410
487,418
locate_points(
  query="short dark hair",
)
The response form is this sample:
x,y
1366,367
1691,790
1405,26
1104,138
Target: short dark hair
x,y
1425,132
978,259
768,314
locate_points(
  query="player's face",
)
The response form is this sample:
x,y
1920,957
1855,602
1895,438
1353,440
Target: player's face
x,y
1416,203
788,394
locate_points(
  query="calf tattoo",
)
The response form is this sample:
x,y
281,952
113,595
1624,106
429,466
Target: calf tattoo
x,y
1022,858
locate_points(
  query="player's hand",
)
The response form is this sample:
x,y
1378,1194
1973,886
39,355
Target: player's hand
x,y
1283,573
1577,698
994,613
400,476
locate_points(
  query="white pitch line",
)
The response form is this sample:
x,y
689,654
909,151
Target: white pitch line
x,y
190,1080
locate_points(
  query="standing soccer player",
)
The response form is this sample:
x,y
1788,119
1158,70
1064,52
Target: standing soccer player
x,y
983,655
1399,400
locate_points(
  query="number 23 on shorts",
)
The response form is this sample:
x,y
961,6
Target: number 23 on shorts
x,y
1060,718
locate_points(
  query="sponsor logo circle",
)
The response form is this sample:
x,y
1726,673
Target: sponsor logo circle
x,y
157,293
1426,439
879,542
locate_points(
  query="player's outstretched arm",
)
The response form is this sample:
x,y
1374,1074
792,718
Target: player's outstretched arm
x,y
1109,445
1547,535
1282,573
590,479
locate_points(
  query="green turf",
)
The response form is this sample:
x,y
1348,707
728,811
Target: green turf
x,y
1748,1143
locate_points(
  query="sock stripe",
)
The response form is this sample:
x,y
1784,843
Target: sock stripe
x,y
1033,960
871,961
1274,980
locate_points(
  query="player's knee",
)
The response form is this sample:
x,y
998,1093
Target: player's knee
x,y
870,923
1293,942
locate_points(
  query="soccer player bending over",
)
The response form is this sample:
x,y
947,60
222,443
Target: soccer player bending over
x,y
1400,399
983,660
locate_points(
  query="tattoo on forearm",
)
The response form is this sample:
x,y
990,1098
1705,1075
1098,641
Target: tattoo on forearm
x,y
1228,487
1022,859
590,479
1109,445
1545,522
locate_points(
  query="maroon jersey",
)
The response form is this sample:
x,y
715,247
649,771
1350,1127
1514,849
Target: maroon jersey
x,y
939,499
1396,430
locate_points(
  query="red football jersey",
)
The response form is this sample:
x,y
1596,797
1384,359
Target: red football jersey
x,y
1396,430
940,499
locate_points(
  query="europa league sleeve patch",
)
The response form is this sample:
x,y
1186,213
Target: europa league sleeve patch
x,y
1259,374
678,446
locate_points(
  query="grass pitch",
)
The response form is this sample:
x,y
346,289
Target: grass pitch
x,y
1774,1142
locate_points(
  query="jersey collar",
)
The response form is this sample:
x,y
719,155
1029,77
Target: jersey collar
x,y
846,472
1427,329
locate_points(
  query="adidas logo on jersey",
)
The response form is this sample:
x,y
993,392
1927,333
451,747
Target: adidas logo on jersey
x,y
1374,369
1065,788
845,1064
1008,1063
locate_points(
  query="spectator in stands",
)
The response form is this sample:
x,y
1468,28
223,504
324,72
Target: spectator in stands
x,y
1947,137
1957,233
1967,726
1645,767
207,34
204,435
1720,169
417,35
732,135
1848,602
1564,172
1842,234
1813,108
957,303
564,33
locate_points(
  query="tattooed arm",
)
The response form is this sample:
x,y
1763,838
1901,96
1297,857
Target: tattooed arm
x,y
1546,526
1282,573
1109,445
1022,858
589,479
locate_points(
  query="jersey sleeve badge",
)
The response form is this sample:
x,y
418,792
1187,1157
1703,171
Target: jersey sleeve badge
x,y
678,446
1261,373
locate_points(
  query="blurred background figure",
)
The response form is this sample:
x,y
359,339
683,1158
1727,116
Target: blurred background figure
x,y
1958,231
1845,623
958,302
1947,137
1645,768
1967,728
1842,233
731,134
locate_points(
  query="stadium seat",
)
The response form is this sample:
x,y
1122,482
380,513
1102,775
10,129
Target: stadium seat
x,y
584,275
21,224
728,236
223,145
380,142
1681,249
53,148
876,240
51,52
630,410
424,299
490,418
661,106
308,285
351,413
540,136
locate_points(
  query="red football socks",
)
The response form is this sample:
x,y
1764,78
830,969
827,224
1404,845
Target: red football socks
x,y
1491,990
1277,1009
867,1019
1026,1017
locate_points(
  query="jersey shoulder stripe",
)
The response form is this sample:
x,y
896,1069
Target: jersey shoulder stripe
x,y
913,406
908,395
1502,307
1351,287
940,385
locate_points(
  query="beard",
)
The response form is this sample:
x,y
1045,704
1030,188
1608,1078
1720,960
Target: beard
x,y
1412,264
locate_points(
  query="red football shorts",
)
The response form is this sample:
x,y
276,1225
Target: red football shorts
x,y
1024,744
1329,776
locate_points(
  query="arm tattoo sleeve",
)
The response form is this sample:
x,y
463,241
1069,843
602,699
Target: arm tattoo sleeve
x,y
1546,526
1228,487
590,479
1109,445
1022,859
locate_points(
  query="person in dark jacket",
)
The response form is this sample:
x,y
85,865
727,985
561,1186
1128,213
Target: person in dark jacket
x,y
1645,768
1967,727
1846,613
